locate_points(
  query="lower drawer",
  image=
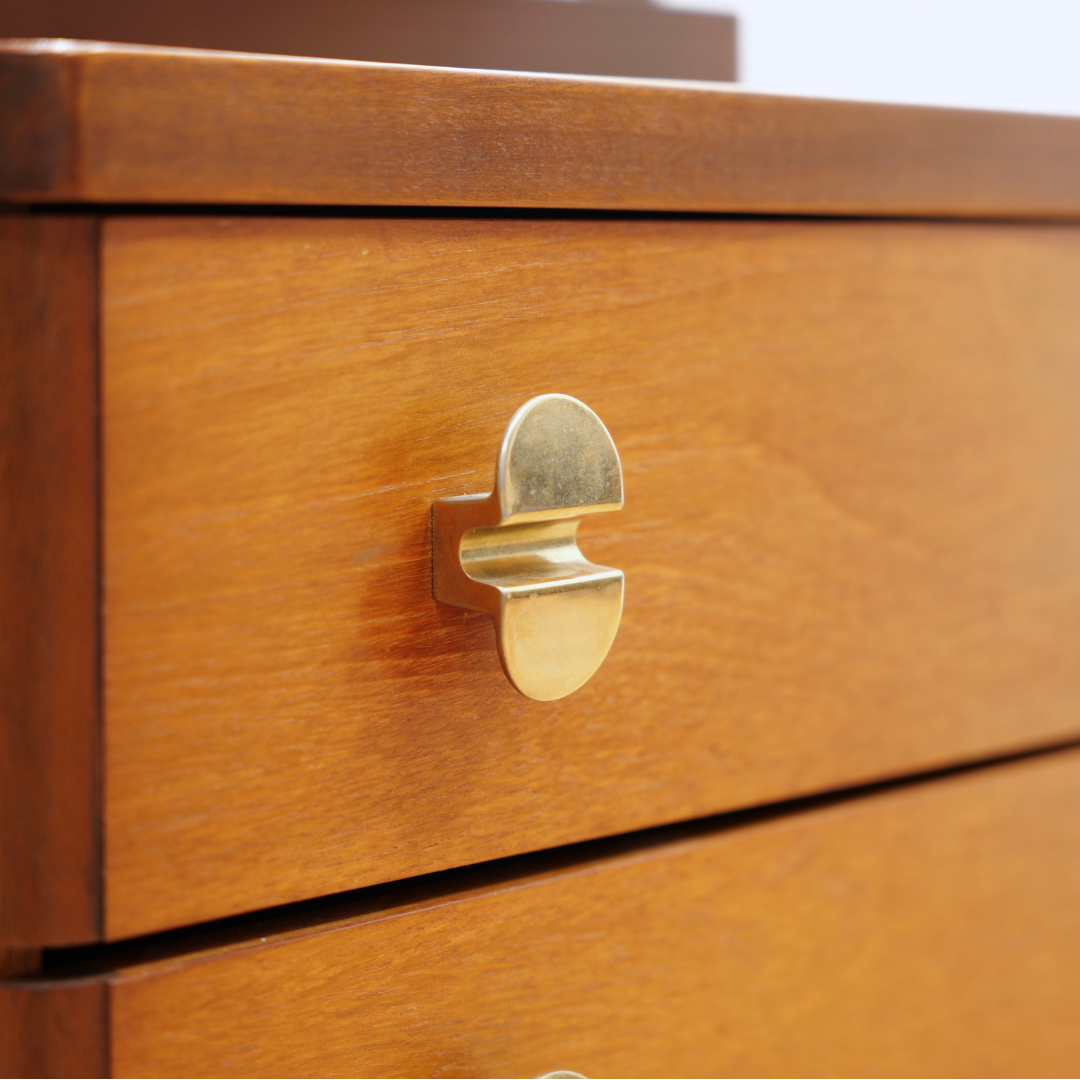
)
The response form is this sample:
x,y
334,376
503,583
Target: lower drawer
x,y
932,929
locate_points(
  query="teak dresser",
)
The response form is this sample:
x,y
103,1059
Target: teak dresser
x,y
271,809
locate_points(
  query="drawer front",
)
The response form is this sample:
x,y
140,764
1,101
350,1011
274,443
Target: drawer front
x,y
929,931
852,473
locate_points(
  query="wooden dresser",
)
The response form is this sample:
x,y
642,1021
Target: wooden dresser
x,y
270,809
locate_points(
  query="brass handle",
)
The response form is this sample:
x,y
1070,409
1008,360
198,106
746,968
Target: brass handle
x,y
514,553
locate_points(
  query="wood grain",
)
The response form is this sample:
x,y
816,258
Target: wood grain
x,y
852,468
634,39
932,931
53,1029
16,960
175,126
49,738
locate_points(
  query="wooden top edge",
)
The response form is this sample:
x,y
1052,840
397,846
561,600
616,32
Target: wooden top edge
x,y
71,48
91,122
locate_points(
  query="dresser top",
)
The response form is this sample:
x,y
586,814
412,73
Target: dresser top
x,y
84,122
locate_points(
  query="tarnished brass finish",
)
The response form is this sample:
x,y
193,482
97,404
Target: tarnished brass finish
x,y
514,553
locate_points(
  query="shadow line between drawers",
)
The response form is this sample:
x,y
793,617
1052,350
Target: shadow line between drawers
x,y
328,912
513,213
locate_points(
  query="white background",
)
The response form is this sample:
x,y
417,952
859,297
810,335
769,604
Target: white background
x,y
1019,55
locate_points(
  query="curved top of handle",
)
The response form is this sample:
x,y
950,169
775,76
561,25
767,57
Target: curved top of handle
x,y
556,460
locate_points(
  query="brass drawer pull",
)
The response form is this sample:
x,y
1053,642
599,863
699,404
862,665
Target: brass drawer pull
x,y
514,553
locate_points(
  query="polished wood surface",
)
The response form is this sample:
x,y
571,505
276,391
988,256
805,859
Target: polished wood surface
x,y
634,39
114,124
852,475
49,741
929,931
54,1029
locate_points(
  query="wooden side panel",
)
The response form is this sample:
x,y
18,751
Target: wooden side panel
x,y
176,126
51,1029
49,738
929,932
852,469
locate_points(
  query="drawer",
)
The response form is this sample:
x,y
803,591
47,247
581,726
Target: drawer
x,y
904,934
852,473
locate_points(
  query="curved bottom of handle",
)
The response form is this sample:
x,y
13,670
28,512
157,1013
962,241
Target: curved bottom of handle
x,y
553,638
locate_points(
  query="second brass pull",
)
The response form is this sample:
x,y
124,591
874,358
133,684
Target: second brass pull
x,y
514,553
